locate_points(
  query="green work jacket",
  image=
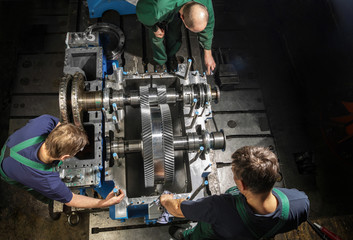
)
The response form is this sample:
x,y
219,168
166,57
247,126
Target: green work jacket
x,y
154,12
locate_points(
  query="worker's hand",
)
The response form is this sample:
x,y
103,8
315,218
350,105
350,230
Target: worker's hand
x,y
209,61
165,197
114,198
159,33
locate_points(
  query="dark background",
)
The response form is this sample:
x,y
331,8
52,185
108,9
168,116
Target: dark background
x,y
301,52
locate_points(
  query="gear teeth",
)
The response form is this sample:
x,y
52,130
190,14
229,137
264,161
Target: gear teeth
x,y
144,93
167,130
162,94
146,124
77,86
147,146
64,98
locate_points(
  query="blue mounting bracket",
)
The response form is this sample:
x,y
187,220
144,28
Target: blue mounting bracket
x,y
98,7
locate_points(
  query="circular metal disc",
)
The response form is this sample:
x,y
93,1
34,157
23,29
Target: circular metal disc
x,y
168,146
76,96
65,98
147,145
111,37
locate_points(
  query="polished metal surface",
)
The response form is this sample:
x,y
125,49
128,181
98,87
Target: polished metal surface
x,y
168,147
146,140
76,96
157,144
146,134
65,98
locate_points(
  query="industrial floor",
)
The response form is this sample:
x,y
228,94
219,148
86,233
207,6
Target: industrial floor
x,y
294,59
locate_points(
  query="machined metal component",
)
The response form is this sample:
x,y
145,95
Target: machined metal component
x,y
219,140
204,108
143,117
194,118
76,94
157,138
81,39
112,37
168,146
193,141
162,94
65,98
192,109
157,144
188,67
216,94
146,123
198,154
82,100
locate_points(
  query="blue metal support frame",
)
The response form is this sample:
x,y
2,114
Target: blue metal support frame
x,y
98,7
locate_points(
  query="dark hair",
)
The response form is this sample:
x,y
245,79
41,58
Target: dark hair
x,y
257,167
188,10
65,139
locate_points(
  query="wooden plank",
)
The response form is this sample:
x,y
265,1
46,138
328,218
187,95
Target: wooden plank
x,y
34,105
39,73
133,52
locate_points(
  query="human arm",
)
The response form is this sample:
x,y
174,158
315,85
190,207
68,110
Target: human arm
x,y
81,201
205,38
172,205
209,61
146,11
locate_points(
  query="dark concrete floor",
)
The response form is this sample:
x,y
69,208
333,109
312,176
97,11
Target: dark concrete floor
x,y
303,60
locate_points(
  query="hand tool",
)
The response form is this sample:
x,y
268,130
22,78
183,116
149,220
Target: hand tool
x,y
327,232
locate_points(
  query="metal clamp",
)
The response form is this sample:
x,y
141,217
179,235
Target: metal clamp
x,y
199,152
192,109
193,121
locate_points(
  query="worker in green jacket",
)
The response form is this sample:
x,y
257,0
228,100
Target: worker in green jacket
x,y
164,18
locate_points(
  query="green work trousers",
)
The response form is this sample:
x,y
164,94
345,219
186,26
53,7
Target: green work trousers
x,y
200,231
172,36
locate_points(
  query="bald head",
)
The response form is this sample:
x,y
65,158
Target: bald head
x,y
195,16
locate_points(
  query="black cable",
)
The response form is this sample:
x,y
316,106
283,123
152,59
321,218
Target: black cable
x,y
318,231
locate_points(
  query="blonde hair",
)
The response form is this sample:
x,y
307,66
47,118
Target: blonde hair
x,y
65,139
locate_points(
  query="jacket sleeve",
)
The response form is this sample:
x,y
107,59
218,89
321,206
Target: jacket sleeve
x,y
206,36
146,13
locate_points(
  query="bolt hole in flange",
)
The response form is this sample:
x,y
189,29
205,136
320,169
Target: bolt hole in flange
x,y
73,218
111,37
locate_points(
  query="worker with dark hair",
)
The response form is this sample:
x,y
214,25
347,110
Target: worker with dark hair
x,y
164,18
251,210
30,155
